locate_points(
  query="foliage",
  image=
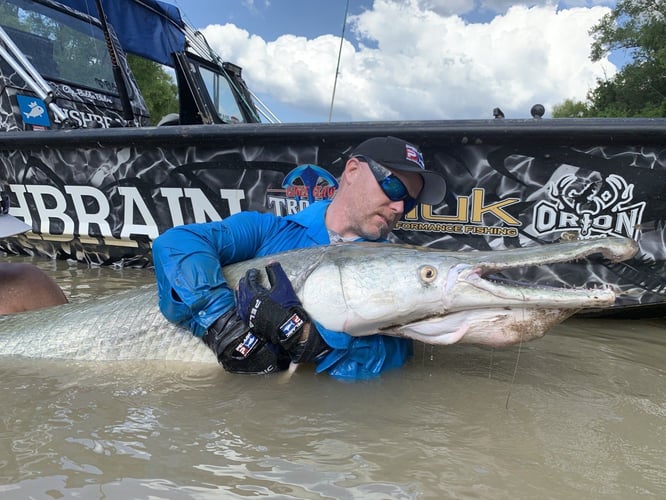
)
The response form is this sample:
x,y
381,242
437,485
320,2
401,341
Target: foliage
x,y
639,88
156,85
570,109
635,25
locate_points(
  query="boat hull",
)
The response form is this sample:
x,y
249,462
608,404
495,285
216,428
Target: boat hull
x,y
102,195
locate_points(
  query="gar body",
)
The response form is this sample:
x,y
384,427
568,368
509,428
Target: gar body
x,y
429,295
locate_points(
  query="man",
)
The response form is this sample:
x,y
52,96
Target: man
x,y
384,178
24,286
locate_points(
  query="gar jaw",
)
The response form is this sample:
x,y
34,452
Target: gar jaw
x,y
494,290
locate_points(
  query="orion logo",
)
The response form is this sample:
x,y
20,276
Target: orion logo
x,y
593,207
302,186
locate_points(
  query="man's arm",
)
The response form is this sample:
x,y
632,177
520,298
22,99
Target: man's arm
x,y
356,358
193,291
188,264
239,350
277,316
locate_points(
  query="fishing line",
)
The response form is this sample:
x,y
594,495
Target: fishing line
x,y
515,366
337,68
513,378
424,353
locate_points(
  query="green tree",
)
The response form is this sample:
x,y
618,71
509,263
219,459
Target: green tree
x,y
639,88
156,85
570,109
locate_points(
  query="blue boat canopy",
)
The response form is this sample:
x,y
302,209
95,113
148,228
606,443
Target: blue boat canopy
x,y
149,28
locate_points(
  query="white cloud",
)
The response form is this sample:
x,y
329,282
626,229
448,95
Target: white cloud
x,y
460,7
503,5
412,62
448,7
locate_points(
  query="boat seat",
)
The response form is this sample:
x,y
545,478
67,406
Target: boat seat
x,y
169,119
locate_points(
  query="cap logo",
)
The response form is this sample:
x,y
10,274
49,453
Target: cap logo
x,y
414,155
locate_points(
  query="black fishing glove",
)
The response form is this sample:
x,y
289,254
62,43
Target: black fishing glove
x,y
310,348
274,314
238,350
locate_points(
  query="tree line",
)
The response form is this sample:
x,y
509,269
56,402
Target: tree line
x,y
639,88
158,89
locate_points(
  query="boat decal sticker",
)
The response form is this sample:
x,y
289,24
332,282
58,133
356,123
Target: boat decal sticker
x,y
33,110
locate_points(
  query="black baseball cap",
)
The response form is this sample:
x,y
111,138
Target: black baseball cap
x,y
396,154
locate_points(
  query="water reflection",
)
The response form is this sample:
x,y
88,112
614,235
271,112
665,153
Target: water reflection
x,y
584,419
80,282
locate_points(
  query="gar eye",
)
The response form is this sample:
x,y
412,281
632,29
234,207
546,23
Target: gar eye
x,y
427,274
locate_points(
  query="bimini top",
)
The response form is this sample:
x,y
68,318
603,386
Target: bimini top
x,y
149,28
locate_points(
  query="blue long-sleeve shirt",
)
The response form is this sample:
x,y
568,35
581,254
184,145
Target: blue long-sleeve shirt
x,y
193,292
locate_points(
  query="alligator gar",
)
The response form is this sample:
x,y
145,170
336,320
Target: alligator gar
x,y
426,294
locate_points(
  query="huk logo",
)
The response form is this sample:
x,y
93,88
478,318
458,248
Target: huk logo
x,y
592,207
302,186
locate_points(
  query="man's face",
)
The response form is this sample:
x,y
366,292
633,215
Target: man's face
x,y
373,213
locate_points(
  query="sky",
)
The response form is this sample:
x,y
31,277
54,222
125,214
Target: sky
x,y
406,59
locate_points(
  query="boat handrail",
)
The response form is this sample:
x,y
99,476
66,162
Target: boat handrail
x,y
19,63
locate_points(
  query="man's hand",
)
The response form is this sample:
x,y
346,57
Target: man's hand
x,y
274,314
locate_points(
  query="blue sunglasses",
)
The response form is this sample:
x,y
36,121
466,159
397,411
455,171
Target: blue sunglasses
x,y
392,187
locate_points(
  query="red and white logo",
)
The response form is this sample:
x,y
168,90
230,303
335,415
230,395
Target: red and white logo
x,y
413,154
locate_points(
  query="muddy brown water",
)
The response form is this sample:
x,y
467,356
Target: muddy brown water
x,y
580,413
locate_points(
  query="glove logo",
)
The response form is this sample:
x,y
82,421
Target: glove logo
x,y
245,347
291,326
253,313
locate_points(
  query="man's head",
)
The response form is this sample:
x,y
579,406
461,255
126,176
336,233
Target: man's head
x,y
398,155
384,178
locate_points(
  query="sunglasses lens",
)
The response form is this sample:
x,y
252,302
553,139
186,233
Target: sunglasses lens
x,y
392,187
395,190
409,203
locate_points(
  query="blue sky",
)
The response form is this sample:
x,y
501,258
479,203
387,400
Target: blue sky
x,y
406,59
308,18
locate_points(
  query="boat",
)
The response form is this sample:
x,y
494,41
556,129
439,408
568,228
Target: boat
x,y
98,179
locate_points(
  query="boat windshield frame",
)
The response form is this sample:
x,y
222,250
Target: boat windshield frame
x,y
62,46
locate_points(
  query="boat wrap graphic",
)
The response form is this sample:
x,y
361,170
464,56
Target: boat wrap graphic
x,y
102,201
